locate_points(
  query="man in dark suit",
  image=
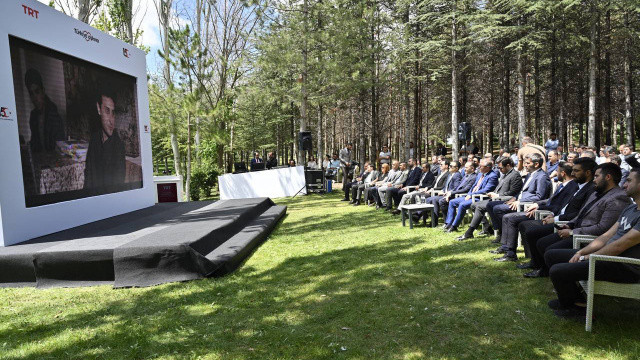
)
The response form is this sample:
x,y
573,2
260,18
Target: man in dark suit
x,y
569,266
485,182
442,202
453,181
600,212
256,160
394,194
361,177
509,186
531,231
560,198
426,182
536,187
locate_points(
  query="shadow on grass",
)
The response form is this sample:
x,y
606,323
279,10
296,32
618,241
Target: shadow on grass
x,y
395,299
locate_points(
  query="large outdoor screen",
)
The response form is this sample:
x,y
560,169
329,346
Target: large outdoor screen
x,y
77,126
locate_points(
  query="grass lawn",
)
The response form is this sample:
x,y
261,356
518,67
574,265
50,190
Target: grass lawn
x,y
332,282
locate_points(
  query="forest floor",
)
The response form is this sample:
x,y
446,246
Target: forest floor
x,y
333,281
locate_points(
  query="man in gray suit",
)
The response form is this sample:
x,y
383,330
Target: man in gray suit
x,y
599,213
509,186
356,190
400,177
345,164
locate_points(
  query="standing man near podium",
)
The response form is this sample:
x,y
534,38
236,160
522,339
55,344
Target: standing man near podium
x,y
345,164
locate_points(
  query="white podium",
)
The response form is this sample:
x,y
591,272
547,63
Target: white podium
x,y
273,183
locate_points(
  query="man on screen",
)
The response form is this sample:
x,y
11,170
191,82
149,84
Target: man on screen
x,y
45,122
105,164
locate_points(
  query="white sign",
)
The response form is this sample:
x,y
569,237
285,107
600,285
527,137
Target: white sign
x,y
75,145
273,183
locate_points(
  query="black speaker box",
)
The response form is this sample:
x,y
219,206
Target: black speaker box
x,y
304,139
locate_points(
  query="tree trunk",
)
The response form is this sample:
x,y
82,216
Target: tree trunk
x,y
188,181
506,101
454,87
522,124
628,90
305,96
607,103
84,8
593,65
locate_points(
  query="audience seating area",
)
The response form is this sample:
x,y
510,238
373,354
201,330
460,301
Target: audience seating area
x,y
515,198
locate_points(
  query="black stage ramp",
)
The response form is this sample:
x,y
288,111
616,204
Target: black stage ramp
x,y
163,243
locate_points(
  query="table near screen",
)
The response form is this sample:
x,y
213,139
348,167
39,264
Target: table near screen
x,y
274,183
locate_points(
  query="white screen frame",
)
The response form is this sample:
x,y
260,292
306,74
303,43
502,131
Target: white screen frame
x,y
35,22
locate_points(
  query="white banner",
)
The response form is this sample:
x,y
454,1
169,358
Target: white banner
x,y
273,183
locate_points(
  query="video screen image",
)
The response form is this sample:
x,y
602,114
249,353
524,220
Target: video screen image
x,y
77,126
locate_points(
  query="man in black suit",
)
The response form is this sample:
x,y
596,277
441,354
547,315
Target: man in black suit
x,y
508,186
560,198
404,196
569,266
394,194
361,177
531,231
599,213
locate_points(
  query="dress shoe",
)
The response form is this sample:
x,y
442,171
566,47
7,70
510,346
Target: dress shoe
x,y
445,227
487,232
396,212
498,251
506,258
533,274
554,304
573,312
452,229
345,199
464,236
356,203
526,265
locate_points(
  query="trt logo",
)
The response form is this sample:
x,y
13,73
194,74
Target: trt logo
x,y
30,12
4,112
125,52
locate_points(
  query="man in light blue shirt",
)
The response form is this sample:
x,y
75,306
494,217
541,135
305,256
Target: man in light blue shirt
x,y
552,143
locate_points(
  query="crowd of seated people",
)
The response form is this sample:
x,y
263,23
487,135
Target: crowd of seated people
x,y
540,195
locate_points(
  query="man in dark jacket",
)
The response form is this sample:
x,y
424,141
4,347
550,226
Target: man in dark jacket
x,y
394,194
45,122
105,165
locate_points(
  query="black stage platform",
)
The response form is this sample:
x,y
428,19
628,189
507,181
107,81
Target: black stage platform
x,y
164,243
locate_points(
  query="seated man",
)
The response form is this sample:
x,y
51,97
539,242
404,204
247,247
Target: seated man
x,y
356,191
600,212
437,184
531,231
332,169
426,181
509,186
485,182
395,193
568,266
385,173
560,198
356,182
536,187
380,195
464,185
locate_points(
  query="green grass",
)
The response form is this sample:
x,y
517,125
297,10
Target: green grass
x,y
332,282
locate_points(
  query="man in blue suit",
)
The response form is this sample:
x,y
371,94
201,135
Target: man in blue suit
x,y
442,202
485,182
537,186
454,180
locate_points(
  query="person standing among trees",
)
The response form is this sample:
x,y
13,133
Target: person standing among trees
x,y
345,164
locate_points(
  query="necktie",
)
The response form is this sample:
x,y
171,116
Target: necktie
x,y
479,183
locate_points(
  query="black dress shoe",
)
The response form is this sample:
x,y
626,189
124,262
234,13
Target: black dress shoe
x,y
464,236
452,229
487,232
526,265
498,251
555,304
345,199
574,312
356,203
506,258
533,274
396,212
